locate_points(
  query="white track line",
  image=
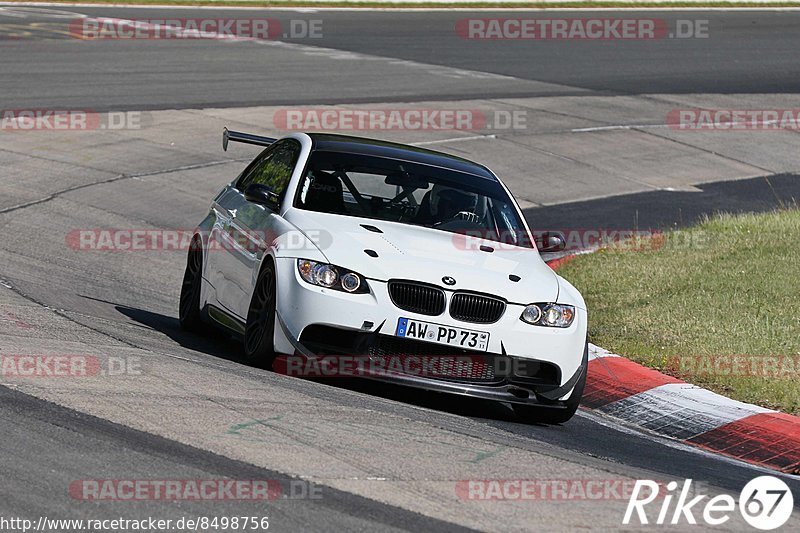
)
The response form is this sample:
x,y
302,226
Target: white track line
x,y
717,126
321,7
454,139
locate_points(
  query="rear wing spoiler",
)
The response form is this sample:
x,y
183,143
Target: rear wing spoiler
x,y
247,138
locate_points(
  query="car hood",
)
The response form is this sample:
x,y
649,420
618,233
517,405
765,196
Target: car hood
x,y
423,254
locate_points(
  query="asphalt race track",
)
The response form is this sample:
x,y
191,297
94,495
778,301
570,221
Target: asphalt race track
x,y
746,52
594,150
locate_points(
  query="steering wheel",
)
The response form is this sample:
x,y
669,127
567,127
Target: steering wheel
x,y
469,216
402,208
466,216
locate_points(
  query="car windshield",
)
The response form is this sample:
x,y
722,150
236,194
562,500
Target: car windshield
x,y
410,193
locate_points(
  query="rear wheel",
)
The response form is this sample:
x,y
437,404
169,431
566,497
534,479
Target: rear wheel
x,y
531,414
259,331
189,314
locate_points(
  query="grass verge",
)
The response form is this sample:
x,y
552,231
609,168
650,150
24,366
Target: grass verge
x,y
717,305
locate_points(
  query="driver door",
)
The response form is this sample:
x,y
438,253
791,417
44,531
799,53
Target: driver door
x,y
252,227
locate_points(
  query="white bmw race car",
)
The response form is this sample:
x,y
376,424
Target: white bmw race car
x,y
390,262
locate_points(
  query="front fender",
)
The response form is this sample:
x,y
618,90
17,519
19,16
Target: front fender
x,y
568,294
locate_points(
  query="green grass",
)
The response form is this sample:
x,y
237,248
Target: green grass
x,y
422,3
727,287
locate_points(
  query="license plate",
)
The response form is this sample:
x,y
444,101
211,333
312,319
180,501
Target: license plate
x,y
430,332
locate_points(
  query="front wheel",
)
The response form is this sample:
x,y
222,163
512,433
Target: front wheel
x,y
259,331
531,414
189,314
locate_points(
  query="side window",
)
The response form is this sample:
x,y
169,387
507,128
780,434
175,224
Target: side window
x,y
275,167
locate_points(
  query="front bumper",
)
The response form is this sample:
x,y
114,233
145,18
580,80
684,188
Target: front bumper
x,y
314,322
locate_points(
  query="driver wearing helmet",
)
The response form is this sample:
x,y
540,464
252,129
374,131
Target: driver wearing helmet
x,y
444,203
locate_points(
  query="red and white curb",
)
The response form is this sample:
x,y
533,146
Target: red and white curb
x,y
650,400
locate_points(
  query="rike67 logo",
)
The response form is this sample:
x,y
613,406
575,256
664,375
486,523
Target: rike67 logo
x,y
765,503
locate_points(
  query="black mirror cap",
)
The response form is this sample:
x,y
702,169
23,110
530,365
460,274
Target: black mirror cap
x,y
551,241
262,195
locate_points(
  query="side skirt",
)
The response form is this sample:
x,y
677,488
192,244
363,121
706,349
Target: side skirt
x,y
225,320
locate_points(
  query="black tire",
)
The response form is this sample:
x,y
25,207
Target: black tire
x,y
531,414
189,313
259,331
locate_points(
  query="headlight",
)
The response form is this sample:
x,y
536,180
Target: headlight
x,y
324,275
331,277
551,315
351,282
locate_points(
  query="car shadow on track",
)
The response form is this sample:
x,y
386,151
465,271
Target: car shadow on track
x,y
212,342
218,344
449,403
665,209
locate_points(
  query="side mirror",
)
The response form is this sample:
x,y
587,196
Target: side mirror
x,y
262,195
551,241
